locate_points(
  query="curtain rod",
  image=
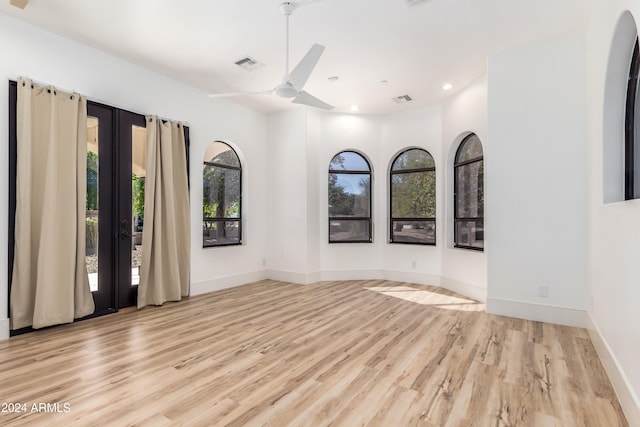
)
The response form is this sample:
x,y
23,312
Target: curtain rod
x,y
47,85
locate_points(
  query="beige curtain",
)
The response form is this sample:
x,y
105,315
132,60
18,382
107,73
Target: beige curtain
x,y
164,272
50,284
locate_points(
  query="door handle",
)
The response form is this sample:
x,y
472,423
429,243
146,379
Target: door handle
x,y
124,232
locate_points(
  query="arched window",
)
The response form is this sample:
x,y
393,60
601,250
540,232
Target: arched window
x,y
632,130
221,196
468,177
349,198
413,198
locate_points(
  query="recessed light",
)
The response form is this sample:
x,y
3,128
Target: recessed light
x,y
447,86
384,82
333,78
354,108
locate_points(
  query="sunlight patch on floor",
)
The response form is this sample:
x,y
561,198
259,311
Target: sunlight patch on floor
x,y
425,297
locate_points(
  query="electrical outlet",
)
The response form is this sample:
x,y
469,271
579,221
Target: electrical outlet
x,y
264,262
543,291
413,264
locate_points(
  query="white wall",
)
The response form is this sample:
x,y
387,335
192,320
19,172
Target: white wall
x,y
421,127
360,133
536,182
49,58
463,270
545,113
287,196
303,255
614,228
315,181
304,185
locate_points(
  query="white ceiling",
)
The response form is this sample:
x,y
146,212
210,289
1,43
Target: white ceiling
x,y
416,49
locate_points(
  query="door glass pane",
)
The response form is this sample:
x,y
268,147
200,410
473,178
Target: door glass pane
x,y
138,174
91,254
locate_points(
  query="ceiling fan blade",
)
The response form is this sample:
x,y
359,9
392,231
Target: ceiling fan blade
x,y
306,98
232,94
298,77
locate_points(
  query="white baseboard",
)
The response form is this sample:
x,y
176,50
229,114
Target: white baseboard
x,y
4,329
628,399
468,290
411,277
351,275
542,313
397,276
293,277
218,283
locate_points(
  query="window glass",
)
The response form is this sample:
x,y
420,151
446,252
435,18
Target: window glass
x,y
414,158
349,161
221,154
632,129
349,194
469,194
470,149
413,198
469,181
221,196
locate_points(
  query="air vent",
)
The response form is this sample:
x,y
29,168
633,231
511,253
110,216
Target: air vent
x,y
401,99
412,3
248,63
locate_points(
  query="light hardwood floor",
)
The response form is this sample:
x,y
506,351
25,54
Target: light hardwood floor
x,y
348,353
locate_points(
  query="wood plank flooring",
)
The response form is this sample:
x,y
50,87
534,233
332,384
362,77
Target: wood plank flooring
x,y
348,353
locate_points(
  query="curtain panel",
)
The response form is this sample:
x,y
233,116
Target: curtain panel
x,y
50,284
164,271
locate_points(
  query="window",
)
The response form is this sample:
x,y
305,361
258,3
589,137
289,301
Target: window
x,y
413,198
221,196
468,177
632,130
349,198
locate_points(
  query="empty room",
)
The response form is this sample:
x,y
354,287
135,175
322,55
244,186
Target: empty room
x,y
320,212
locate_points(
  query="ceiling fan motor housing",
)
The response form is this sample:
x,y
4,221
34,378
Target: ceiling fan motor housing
x,y
287,8
285,90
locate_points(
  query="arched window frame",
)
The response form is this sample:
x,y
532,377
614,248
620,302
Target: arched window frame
x,y
225,220
632,129
428,222
458,219
338,219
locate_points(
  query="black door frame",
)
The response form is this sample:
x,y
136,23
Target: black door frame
x,y
104,298
126,295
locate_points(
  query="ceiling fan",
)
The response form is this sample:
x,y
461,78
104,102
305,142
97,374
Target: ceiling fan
x,y
294,81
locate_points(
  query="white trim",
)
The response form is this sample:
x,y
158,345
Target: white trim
x,y
218,283
621,385
293,277
410,277
351,275
4,329
398,276
475,292
538,312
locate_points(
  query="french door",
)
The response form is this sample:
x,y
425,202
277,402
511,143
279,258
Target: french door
x,y
116,156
